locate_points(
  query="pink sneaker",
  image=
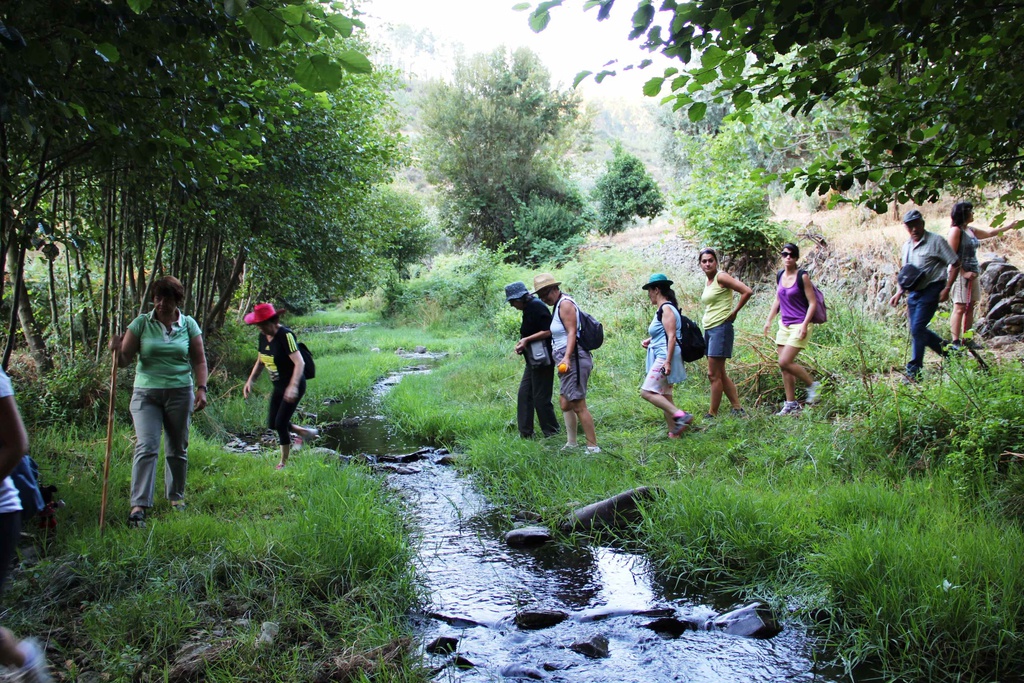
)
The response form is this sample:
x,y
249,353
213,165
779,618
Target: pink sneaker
x,y
683,420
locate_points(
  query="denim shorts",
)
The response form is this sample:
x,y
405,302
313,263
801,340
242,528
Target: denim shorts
x,y
719,340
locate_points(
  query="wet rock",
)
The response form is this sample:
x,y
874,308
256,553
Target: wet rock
x,y
533,620
609,512
268,631
330,401
604,613
407,470
323,451
375,350
350,422
456,622
444,645
753,621
445,460
407,457
528,516
522,671
670,626
364,459
528,536
399,351
191,660
441,451
595,647
461,662
1014,285
420,349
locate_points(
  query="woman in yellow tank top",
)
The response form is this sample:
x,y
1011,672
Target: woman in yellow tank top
x,y
719,315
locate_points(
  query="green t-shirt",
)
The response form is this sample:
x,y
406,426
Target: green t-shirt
x,y
163,354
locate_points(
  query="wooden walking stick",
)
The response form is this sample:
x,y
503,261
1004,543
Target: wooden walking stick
x,y
110,439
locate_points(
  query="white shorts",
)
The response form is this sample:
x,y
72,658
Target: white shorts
x,y
657,381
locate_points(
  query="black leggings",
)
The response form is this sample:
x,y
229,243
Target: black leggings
x,y
10,534
279,416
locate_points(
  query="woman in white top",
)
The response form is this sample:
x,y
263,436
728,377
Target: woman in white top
x,y
24,658
573,363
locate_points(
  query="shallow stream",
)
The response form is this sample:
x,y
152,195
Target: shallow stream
x,y
477,584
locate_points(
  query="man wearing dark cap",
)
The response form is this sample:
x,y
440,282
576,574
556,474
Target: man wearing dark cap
x,y
929,267
539,376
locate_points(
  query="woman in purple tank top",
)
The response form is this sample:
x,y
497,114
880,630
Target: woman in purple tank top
x,y
794,298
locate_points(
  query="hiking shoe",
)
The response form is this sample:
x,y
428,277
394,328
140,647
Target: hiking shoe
x,y
593,449
35,669
812,392
681,423
137,519
738,412
790,408
570,447
710,416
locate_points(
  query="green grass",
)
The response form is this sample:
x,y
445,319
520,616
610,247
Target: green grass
x,y
886,508
318,548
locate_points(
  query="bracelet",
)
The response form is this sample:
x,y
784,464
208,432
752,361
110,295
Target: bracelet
x,y
201,386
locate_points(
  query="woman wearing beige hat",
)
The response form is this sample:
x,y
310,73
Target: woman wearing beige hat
x,y
574,363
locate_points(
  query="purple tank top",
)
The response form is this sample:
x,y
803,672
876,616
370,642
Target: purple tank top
x,y
792,303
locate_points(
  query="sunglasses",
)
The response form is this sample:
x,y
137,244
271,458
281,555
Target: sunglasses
x,y
787,254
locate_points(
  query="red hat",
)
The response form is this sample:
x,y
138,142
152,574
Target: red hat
x,y
261,313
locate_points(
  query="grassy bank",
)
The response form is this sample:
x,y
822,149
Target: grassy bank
x,y
888,516
317,548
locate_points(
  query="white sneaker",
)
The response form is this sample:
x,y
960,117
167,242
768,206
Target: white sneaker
x,y
570,447
790,408
593,449
812,392
35,669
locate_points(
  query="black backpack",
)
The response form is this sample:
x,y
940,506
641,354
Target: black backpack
x,y
692,346
590,334
307,358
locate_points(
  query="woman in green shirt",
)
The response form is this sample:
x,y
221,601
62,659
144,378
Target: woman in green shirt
x,y
719,315
169,345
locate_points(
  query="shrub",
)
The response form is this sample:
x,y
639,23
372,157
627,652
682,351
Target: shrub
x,y
551,228
724,205
626,191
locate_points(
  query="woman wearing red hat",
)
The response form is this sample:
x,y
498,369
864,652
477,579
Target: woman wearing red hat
x,y
279,352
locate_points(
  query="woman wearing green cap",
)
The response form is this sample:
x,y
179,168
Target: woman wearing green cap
x,y
664,359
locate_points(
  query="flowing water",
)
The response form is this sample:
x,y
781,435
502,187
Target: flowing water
x,y
477,584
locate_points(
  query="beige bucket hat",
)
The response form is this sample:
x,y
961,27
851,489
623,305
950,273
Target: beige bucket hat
x,y
543,281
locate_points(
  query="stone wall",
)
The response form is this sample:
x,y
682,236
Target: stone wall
x,y
1004,285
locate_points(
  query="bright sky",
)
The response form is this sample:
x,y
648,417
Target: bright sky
x,y
573,41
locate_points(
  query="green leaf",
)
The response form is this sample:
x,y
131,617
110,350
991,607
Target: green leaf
x,y
539,21
579,77
521,7
233,8
742,99
870,77
355,62
108,52
317,73
653,86
697,111
139,6
264,27
292,15
343,24
712,57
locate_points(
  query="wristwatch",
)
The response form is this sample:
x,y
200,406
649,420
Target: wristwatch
x,y
201,386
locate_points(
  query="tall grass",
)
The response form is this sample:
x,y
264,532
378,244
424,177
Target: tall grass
x,y
318,548
892,510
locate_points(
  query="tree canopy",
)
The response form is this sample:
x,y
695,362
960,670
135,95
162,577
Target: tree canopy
x,y
936,80
208,140
494,139
626,191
